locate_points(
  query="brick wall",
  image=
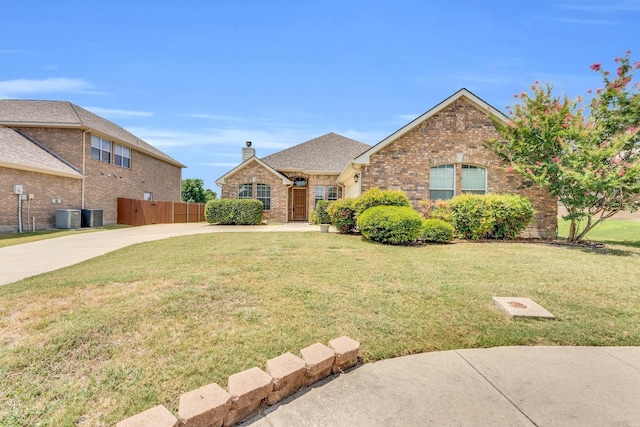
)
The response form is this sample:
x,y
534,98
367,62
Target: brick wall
x,y
105,182
278,211
44,188
459,128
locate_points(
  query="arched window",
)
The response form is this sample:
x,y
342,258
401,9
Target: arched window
x,y
263,193
299,181
245,191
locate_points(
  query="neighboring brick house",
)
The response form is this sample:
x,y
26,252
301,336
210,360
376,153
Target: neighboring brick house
x,y
70,158
290,181
437,156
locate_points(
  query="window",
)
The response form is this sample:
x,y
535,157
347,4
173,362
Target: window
x,y
299,181
474,179
263,193
148,196
245,191
318,194
442,182
332,192
122,156
100,149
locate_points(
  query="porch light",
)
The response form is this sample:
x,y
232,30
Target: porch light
x,y
356,177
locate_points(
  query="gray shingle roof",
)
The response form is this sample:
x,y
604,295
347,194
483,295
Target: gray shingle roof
x,y
18,112
327,153
18,152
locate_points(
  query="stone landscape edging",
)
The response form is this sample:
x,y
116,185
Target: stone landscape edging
x,y
248,390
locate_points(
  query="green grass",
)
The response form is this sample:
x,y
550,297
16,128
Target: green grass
x,y
113,336
614,231
10,239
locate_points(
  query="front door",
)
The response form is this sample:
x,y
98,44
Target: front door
x,y
299,204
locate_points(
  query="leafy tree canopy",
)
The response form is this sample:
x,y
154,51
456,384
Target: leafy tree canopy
x,y
193,191
585,151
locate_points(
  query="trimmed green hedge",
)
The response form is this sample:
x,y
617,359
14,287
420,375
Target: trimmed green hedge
x,y
436,231
391,225
234,211
492,216
377,197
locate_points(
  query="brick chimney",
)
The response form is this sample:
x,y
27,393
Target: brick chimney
x,y
248,152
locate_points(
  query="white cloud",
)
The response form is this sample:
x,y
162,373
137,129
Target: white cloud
x,y
19,87
219,164
599,6
266,141
115,113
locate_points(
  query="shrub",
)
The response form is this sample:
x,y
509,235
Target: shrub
x,y
321,214
377,197
234,211
437,231
492,216
392,225
436,209
342,215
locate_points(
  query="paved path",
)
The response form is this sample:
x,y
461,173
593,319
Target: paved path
x,y
502,386
18,262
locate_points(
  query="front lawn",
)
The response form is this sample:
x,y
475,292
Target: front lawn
x,y
106,339
616,231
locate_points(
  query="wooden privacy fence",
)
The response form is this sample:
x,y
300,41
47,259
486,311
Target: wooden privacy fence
x,y
145,212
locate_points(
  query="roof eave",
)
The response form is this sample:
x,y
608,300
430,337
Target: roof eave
x,y
222,179
26,168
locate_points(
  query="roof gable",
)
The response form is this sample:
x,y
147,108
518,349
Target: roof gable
x,y
328,153
19,152
221,180
364,158
18,112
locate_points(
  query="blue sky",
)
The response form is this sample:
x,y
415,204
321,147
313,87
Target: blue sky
x,y
199,78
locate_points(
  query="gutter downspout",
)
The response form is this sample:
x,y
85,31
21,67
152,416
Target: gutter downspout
x,y
84,163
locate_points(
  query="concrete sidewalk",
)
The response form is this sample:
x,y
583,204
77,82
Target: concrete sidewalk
x,y
18,262
502,386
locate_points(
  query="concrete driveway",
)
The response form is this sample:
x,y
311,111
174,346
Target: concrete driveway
x,y
18,262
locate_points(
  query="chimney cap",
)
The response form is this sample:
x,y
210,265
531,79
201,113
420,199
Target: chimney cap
x,y
248,143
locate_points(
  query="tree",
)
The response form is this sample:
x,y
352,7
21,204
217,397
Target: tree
x,y
585,151
193,191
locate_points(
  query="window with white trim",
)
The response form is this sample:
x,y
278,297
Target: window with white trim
x,y
263,193
100,149
332,192
442,182
122,156
318,194
245,191
474,179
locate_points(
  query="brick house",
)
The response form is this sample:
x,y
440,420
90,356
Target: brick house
x,y
69,158
436,156
291,181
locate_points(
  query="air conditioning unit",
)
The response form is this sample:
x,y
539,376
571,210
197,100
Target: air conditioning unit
x,y
92,217
67,218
